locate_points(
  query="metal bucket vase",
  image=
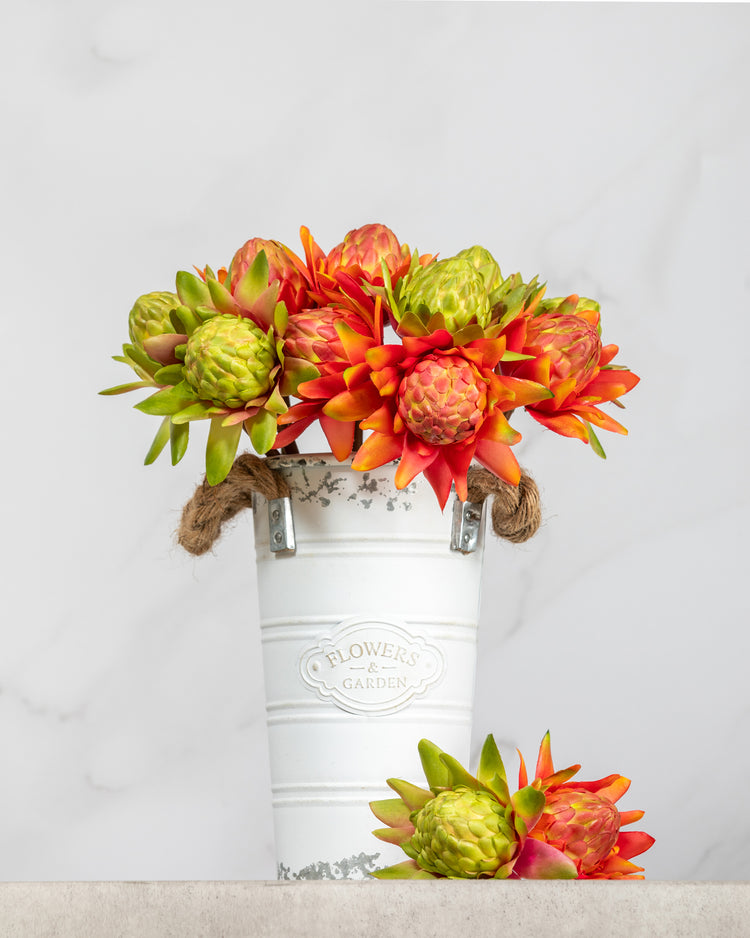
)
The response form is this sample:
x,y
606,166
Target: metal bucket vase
x,y
369,627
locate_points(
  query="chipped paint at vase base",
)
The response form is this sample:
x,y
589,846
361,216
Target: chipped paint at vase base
x,y
369,633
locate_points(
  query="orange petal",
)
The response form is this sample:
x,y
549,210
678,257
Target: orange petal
x,y
630,817
355,344
377,450
522,392
564,424
610,384
289,434
353,405
385,356
599,419
544,764
440,478
326,387
612,787
631,843
458,459
415,459
356,374
498,458
523,778
606,355
340,436
497,429
380,420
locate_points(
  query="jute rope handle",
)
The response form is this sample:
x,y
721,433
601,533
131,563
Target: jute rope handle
x,y
516,511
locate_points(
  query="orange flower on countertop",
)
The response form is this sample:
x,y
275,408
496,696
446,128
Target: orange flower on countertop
x,y
581,819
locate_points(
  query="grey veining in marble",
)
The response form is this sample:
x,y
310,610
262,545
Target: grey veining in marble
x,y
604,146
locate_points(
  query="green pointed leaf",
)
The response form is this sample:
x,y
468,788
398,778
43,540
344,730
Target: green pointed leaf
x,y
490,762
205,313
276,403
169,374
122,388
168,401
435,772
257,274
394,835
160,441
499,787
296,370
222,298
410,324
391,811
221,449
413,796
263,431
594,441
406,870
509,356
528,803
185,320
191,290
136,356
394,303
459,775
263,307
468,334
198,410
280,318
178,439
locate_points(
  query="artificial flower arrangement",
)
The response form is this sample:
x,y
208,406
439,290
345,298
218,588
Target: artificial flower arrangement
x,y
467,827
273,343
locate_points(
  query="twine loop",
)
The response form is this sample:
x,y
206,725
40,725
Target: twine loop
x,y
516,511
212,506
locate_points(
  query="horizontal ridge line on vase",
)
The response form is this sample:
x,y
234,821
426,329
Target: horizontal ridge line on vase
x,y
333,620
367,537
459,715
281,788
295,705
460,632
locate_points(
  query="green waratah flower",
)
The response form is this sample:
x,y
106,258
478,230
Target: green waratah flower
x,y
485,263
229,360
452,287
464,833
150,316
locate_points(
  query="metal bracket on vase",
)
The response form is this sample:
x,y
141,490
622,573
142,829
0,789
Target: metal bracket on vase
x,y
467,522
281,525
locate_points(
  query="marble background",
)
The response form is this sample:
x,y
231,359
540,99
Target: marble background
x,y
605,147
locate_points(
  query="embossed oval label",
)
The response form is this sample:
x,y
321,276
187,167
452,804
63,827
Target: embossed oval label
x,y
372,666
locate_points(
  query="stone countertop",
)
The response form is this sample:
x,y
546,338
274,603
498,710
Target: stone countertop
x,y
363,909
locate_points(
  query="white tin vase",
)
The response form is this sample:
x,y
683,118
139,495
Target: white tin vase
x,y
369,630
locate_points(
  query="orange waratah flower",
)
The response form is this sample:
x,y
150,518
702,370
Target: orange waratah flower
x,y
437,405
569,359
283,265
344,373
358,259
581,820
